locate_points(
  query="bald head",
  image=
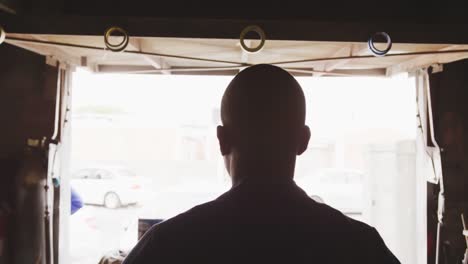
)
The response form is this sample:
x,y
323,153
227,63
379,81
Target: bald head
x,y
263,107
263,115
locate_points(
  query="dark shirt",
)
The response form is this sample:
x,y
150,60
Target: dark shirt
x,y
262,223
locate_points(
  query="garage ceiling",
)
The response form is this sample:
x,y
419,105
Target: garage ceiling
x,y
229,50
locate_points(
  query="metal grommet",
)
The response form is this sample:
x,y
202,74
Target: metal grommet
x,y
259,31
374,50
116,47
2,35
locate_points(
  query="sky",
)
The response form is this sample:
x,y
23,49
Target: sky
x,y
335,105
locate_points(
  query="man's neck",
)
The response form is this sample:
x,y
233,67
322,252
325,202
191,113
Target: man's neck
x,y
258,171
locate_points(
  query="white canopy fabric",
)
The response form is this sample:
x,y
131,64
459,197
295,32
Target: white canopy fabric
x,y
313,58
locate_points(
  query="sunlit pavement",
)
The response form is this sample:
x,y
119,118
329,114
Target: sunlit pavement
x,y
96,230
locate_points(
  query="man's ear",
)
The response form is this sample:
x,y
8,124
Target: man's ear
x,y
304,137
224,140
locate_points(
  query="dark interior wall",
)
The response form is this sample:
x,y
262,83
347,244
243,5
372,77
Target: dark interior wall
x,y
27,107
27,98
450,96
27,110
355,11
449,90
9,5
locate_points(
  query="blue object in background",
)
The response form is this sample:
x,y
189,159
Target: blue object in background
x,y
76,202
56,182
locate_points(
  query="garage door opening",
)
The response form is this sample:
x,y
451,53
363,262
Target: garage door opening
x,y
144,148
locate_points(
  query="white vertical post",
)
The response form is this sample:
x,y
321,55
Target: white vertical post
x,y
424,170
63,156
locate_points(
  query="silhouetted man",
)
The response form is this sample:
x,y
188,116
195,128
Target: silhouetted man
x,y
265,217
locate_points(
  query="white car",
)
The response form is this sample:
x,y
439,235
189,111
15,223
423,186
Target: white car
x,y
339,188
112,187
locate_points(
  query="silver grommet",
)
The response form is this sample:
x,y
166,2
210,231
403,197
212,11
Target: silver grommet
x,y
116,47
2,35
257,30
374,50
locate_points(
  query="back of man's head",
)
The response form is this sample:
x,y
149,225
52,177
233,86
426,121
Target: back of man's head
x,y
263,111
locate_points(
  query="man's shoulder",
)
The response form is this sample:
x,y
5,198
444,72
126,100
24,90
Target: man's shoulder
x,y
188,219
365,240
200,225
162,240
348,224
207,213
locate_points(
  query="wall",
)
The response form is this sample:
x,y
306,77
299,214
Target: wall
x,y
27,109
449,90
27,101
243,9
8,5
